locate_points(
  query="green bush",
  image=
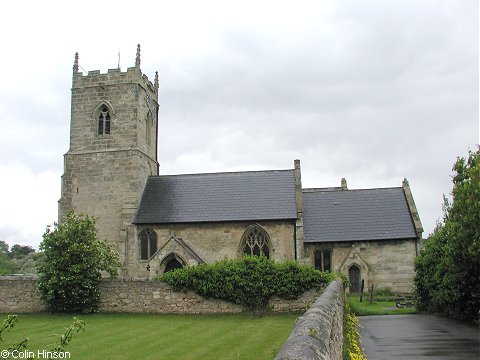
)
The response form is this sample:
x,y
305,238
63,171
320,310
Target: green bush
x,y
249,281
72,260
446,277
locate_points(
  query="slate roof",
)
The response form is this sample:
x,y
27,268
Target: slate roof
x,y
353,215
235,196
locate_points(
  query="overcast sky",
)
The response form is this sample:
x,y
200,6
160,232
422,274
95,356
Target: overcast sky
x,y
373,91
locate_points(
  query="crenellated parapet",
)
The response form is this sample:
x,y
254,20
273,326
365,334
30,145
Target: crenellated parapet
x,y
95,78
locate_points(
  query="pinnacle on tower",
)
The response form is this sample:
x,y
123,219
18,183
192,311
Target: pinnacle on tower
x,y
155,83
75,64
137,59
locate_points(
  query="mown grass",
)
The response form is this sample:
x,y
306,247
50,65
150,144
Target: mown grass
x,y
366,308
152,336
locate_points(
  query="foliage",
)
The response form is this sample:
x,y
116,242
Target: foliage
x,y
447,278
7,266
249,281
3,248
383,294
73,259
351,336
64,339
21,250
125,336
20,259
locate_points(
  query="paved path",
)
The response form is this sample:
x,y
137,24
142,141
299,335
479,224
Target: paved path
x,y
418,337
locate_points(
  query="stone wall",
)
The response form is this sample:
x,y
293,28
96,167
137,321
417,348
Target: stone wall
x,y
213,242
18,294
318,334
384,263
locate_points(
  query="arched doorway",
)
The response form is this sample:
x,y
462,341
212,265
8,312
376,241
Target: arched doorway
x,y
173,264
354,278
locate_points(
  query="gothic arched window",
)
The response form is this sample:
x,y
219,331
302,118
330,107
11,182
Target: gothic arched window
x,y
104,120
256,242
148,244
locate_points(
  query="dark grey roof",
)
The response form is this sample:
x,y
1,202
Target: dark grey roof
x,y
253,195
352,215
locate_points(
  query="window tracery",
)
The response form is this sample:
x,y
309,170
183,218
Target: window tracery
x,y
104,120
256,242
148,244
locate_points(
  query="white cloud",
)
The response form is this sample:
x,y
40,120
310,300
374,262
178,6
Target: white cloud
x,y
28,204
373,91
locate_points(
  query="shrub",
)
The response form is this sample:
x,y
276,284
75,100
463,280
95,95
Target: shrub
x,y
446,277
72,260
249,281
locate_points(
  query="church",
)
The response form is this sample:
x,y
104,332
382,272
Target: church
x,y
158,223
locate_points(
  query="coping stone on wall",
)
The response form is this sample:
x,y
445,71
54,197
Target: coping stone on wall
x,y
318,334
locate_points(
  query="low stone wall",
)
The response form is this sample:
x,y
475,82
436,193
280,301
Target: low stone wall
x,y
18,294
318,334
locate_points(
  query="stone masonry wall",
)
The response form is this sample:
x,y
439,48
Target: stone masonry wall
x,y
318,334
384,263
105,174
18,294
213,242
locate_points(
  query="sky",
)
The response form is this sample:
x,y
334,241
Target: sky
x,y
373,91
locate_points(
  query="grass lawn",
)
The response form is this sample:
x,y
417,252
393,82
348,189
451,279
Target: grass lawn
x,y
375,308
160,337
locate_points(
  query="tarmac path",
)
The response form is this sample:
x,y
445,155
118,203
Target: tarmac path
x,y
417,336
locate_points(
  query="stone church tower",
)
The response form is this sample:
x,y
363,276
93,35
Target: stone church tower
x,y
113,148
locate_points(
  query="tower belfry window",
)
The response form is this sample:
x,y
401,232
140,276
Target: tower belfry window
x,y
104,121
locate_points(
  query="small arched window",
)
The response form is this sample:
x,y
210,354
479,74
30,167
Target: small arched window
x,y
256,242
148,244
104,120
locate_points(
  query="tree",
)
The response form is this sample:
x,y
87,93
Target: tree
x,y
73,258
3,248
447,269
21,250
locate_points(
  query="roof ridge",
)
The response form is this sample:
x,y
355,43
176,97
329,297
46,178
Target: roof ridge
x,y
223,173
339,189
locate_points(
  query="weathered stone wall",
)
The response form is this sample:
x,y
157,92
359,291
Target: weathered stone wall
x,y
384,263
104,175
18,294
212,242
318,334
